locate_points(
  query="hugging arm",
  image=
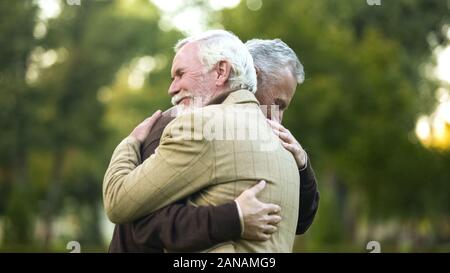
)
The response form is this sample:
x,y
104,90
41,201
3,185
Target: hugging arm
x,y
182,227
309,199
309,195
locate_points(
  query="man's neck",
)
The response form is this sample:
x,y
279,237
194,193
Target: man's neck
x,y
221,97
218,99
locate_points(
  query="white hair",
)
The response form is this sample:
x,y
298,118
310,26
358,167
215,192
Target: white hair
x,y
219,45
273,56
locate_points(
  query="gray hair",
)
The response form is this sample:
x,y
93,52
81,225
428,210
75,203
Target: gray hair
x,y
272,56
219,45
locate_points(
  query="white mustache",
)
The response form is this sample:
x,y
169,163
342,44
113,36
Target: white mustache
x,y
178,97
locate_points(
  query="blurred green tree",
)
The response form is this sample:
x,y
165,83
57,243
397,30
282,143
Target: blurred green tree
x,y
99,37
57,130
365,86
16,121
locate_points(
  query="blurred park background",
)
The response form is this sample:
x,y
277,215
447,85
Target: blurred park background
x,y
76,76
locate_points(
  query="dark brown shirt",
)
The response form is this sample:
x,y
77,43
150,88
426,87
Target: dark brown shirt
x,y
181,227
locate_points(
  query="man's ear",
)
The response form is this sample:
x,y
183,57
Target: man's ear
x,y
223,71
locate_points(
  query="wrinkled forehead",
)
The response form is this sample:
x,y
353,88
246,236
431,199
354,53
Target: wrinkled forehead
x,y
280,88
187,55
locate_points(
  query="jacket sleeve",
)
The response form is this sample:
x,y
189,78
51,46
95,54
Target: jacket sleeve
x,y
181,166
309,199
180,227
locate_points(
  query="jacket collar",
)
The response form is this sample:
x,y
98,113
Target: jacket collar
x,y
235,97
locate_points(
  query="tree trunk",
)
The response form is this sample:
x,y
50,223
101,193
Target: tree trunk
x,y
53,197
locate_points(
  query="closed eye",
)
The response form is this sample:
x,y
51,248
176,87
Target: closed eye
x,y
179,73
281,104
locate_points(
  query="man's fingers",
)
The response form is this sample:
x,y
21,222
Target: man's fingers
x,y
257,188
274,219
286,137
150,121
294,149
153,118
263,236
273,209
276,125
273,123
282,132
142,130
276,132
269,229
288,147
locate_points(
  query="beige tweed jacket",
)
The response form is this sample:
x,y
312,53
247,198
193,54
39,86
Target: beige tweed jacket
x,y
208,156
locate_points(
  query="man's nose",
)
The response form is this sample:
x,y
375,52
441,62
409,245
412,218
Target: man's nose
x,y
173,89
